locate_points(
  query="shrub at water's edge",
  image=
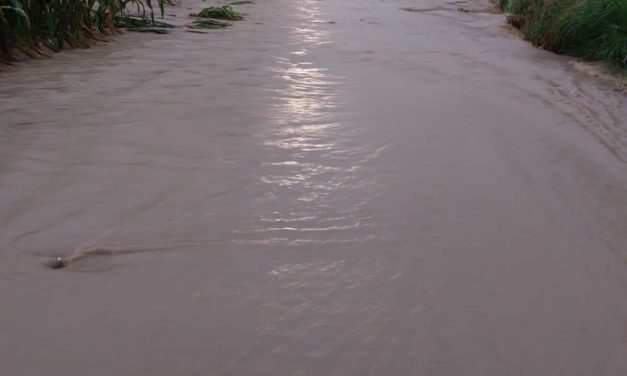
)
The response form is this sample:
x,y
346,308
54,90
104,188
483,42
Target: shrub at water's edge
x,y
29,25
594,30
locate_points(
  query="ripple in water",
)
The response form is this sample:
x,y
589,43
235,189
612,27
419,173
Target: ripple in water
x,y
314,193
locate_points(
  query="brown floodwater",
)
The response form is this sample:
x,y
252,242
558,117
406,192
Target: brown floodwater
x,y
327,188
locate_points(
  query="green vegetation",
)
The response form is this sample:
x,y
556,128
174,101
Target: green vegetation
x,y
134,22
224,12
590,29
241,2
209,24
29,25
143,25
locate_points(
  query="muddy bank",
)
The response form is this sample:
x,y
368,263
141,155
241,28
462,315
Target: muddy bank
x,y
329,188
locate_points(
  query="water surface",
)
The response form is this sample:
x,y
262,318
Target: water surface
x,y
327,188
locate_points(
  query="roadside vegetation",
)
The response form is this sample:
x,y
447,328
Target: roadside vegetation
x,y
594,30
34,26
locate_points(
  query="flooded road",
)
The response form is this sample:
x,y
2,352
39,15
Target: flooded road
x,y
327,188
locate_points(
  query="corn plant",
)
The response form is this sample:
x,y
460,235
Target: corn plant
x,y
29,25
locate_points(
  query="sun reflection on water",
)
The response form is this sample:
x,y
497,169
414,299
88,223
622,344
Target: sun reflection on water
x,y
309,175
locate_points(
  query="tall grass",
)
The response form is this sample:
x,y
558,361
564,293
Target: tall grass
x,y
589,29
30,25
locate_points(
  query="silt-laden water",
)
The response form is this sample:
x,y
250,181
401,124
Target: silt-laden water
x,y
326,188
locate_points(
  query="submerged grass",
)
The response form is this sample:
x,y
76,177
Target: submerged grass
x,y
594,30
209,24
130,22
224,12
30,25
143,25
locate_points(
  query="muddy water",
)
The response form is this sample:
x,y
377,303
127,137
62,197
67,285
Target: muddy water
x,y
327,188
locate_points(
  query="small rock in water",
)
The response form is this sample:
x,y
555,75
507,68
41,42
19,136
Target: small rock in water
x,y
57,263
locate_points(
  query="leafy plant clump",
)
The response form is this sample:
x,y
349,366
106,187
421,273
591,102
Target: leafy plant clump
x,y
224,12
30,25
594,30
